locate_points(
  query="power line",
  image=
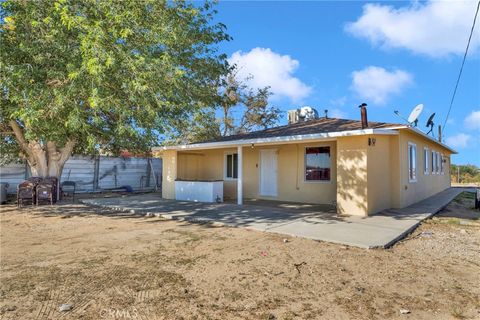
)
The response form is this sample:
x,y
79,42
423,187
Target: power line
x,y
461,68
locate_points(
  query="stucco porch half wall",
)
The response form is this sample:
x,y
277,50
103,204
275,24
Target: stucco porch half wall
x,y
321,161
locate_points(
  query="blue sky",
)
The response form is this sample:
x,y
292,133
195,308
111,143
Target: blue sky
x,y
336,55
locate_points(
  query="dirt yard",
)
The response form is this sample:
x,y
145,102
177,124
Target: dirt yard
x,y
111,266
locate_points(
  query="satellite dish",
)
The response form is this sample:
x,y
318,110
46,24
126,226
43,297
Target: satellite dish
x,y
413,117
430,123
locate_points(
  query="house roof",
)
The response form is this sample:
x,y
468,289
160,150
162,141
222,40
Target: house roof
x,y
318,129
316,126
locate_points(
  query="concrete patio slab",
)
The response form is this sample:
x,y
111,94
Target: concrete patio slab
x,y
308,221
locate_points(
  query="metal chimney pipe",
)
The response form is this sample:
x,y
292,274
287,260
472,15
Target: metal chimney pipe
x,y
363,113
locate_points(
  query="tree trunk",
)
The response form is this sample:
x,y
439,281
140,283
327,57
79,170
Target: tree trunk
x,y
44,160
225,120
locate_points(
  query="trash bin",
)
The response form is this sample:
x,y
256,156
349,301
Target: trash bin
x,y
3,192
26,191
47,190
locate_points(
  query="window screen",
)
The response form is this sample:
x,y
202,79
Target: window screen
x,y
425,160
437,168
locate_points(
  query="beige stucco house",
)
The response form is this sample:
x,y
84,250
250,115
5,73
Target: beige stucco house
x,y
363,169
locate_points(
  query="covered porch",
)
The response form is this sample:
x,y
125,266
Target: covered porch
x,y
296,172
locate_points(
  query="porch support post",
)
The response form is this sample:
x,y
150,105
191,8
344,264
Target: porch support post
x,y
240,176
169,173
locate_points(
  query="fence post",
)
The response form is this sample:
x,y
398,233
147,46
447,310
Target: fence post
x,y
149,172
477,199
96,171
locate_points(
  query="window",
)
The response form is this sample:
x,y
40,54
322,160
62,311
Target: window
x,y
434,161
437,168
317,164
425,160
412,162
444,163
231,166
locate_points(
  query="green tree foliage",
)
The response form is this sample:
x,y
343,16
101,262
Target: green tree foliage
x,y
89,75
258,114
465,173
251,108
201,126
232,94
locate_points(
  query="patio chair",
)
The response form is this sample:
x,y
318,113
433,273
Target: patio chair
x,y
69,187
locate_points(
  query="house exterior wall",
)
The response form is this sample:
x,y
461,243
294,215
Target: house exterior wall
x,y
375,177
352,197
188,167
426,184
396,172
291,175
206,165
380,171
365,177
291,186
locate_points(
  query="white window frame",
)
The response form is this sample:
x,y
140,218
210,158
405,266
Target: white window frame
x,y
225,154
438,163
414,147
426,159
305,164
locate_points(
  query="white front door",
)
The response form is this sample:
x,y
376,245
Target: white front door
x,y
268,172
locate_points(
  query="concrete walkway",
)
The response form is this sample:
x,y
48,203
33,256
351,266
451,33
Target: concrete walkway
x,y
308,221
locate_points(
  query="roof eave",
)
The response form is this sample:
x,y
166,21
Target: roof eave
x,y
272,140
431,138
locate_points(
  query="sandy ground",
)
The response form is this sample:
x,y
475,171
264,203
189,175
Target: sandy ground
x,y
111,266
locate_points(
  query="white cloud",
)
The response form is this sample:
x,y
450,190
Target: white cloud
x,y
435,28
472,121
459,140
378,84
337,113
271,69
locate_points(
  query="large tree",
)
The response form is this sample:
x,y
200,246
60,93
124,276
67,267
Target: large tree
x,y
258,115
232,94
203,125
240,109
90,75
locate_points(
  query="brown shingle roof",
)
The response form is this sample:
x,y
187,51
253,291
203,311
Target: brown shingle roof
x,y
316,126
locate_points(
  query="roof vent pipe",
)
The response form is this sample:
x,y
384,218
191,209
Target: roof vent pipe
x,y
363,113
